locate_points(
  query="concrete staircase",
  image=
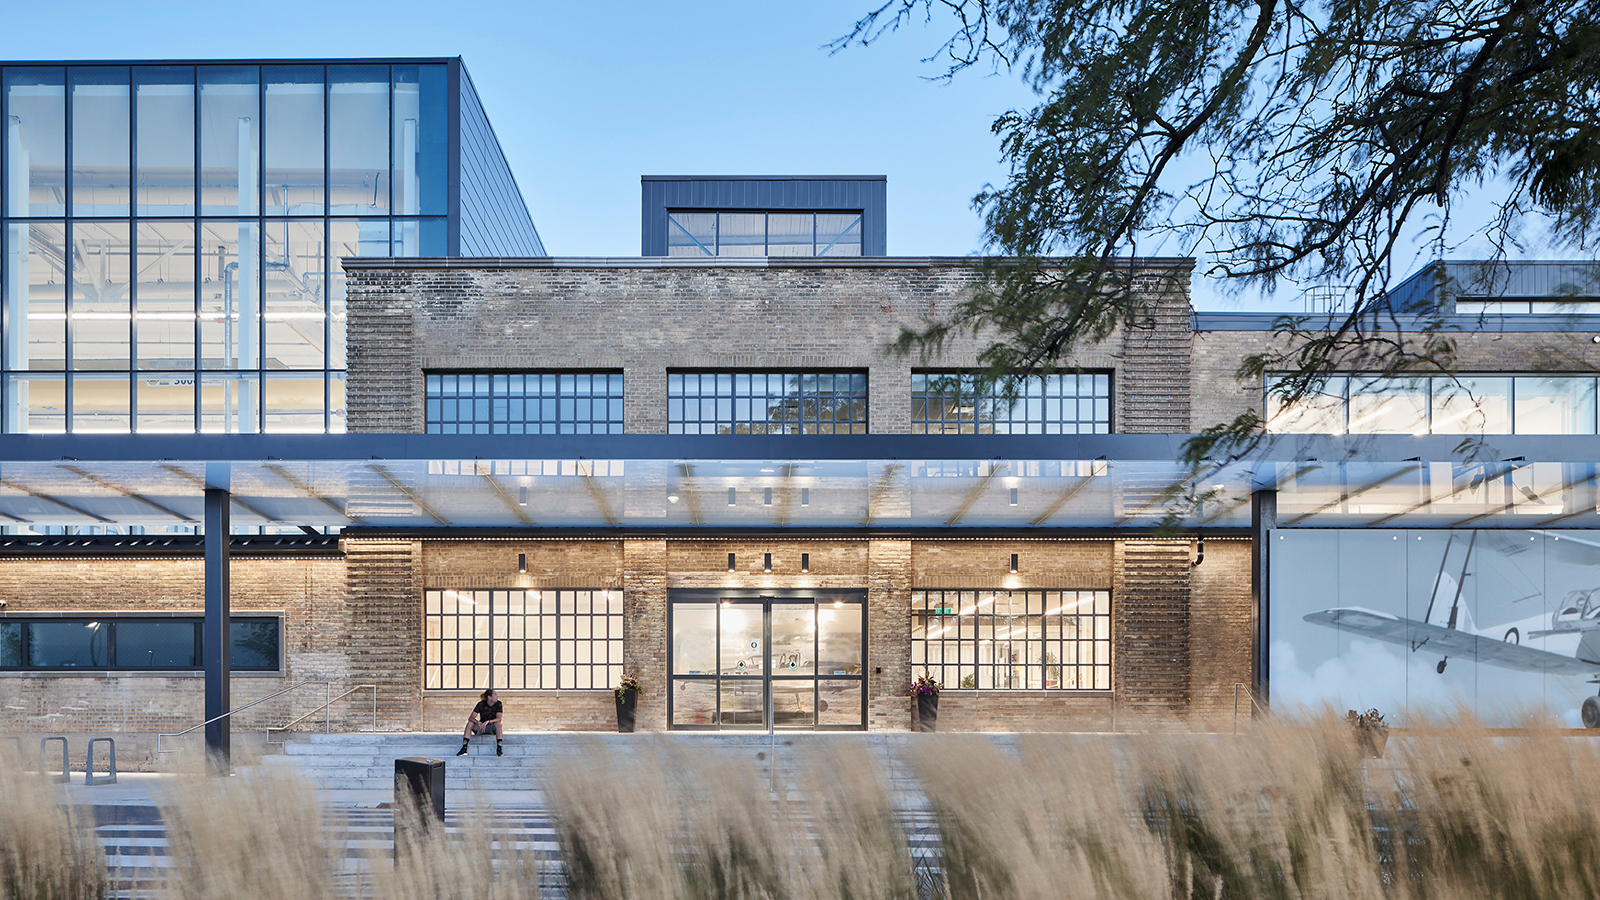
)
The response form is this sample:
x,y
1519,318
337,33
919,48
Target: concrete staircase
x,y
365,761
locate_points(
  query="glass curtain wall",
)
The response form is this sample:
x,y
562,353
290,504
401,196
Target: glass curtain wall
x,y
172,236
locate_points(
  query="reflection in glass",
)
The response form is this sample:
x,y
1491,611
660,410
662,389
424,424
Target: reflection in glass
x,y
230,402
1388,406
36,404
794,702
348,238
229,141
743,702
296,277
839,639
694,702
158,645
100,403
839,703
10,644
1320,413
68,644
1471,405
358,141
253,643
164,142
230,315
165,402
694,638
741,234
100,183
294,403
415,238
101,327
794,634
36,307
691,234
36,141
336,403
1555,405
838,234
791,234
293,178
739,648
419,143
164,322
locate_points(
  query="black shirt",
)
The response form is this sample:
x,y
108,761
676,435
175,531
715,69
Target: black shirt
x,y
487,712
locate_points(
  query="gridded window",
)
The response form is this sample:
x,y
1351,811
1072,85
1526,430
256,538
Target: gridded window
x,y
950,403
122,642
1462,404
1013,640
766,403
522,640
524,403
763,233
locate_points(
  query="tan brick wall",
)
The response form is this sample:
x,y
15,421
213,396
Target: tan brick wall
x,y
1222,627
646,317
359,620
132,707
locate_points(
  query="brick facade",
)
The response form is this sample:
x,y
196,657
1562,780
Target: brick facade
x,y
405,319
1182,635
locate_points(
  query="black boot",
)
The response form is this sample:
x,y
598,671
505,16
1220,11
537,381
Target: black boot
x,y
463,750
499,750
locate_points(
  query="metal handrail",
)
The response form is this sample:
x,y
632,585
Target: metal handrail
x,y
327,688
327,726
1251,695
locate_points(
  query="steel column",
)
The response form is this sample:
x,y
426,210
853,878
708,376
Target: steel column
x,y
1263,522
216,643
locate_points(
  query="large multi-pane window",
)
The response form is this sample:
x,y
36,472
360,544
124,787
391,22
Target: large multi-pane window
x,y
1013,640
522,639
1465,404
134,643
766,403
172,236
745,233
950,403
524,402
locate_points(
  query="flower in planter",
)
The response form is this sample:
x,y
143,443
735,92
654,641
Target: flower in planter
x,y
630,682
924,686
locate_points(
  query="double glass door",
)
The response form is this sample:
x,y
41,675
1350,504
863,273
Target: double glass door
x,y
759,663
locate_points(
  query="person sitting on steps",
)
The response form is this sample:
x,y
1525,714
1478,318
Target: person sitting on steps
x,y
486,716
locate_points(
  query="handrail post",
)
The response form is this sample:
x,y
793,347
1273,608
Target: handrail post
x,y
327,707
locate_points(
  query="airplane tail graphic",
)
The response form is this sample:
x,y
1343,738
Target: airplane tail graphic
x,y
1445,607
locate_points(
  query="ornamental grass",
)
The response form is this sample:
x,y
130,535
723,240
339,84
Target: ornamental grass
x,y
1293,809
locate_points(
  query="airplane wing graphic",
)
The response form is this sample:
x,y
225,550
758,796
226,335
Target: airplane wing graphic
x,y
1437,639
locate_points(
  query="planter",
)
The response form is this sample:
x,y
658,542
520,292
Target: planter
x,y
927,712
627,702
1372,741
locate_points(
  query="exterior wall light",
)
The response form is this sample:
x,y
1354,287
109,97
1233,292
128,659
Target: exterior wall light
x,y
1013,563
733,496
805,562
731,562
766,496
522,496
1013,496
766,562
522,563
805,496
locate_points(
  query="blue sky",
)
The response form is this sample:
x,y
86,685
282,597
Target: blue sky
x,y
587,97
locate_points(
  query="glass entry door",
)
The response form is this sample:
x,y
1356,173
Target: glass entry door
x,y
767,662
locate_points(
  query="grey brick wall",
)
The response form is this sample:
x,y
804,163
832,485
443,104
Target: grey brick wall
x,y
647,316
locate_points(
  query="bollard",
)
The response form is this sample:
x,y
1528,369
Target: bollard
x,y
65,774
88,763
418,799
